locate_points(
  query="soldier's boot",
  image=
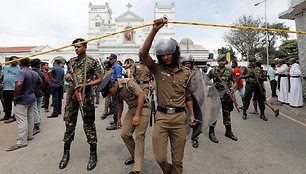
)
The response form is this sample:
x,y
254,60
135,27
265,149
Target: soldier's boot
x,y
65,159
212,136
244,115
263,117
93,158
229,133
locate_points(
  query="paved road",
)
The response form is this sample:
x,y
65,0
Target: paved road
x,y
275,146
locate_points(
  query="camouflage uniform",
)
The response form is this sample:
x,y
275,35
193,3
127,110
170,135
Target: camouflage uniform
x,y
108,100
72,105
252,87
227,104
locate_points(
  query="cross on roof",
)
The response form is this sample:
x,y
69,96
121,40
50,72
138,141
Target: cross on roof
x,y
129,6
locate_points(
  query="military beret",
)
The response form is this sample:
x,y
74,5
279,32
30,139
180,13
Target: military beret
x,y
221,56
105,86
79,40
252,60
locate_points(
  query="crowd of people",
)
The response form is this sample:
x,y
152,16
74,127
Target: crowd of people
x,y
30,84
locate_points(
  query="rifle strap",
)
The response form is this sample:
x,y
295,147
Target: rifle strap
x,y
85,79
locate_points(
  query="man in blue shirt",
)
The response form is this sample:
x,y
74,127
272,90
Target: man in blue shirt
x,y
57,79
273,83
117,74
24,97
9,76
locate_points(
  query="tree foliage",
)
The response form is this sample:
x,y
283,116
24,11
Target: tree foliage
x,y
288,49
225,50
252,43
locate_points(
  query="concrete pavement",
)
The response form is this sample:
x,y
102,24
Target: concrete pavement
x,y
275,146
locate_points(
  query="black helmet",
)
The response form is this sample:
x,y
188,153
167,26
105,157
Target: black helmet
x,y
187,58
167,46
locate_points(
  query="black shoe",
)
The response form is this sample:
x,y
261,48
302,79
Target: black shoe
x,y
63,163
212,136
244,115
97,102
231,136
195,143
4,118
132,172
93,158
276,113
111,123
263,117
92,161
103,116
129,161
52,116
110,113
112,127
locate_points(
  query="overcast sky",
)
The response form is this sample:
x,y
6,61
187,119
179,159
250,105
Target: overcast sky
x,y
57,22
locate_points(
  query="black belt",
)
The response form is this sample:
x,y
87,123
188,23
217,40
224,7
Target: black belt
x,y
295,76
279,79
142,82
168,110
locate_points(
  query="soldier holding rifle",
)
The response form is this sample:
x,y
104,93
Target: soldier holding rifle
x,y
254,76
85,69
223,79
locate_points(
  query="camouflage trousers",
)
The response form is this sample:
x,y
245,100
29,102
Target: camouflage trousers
x,y
227,108
71,115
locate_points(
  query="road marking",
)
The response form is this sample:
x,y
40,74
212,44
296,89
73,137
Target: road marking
x,y
269,98
303,124
292,119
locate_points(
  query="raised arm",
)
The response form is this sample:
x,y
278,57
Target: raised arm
x,y
147,59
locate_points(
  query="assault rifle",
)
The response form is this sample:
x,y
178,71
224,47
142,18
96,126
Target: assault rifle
x,y
78,93
153,110
258,81
229,93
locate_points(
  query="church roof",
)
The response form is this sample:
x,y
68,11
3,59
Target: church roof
x,y
129,16
16,49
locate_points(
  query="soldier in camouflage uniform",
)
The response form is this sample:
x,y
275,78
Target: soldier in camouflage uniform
x,y
78,65
253,87
108,70
229,78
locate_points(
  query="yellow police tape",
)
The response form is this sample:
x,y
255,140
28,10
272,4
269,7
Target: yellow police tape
x,y
129,29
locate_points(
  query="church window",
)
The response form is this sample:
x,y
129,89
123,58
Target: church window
x,y
98,24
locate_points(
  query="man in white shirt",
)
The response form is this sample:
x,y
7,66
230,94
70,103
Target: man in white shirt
x,y
295,97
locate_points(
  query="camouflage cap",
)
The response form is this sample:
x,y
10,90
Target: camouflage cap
x,y
221,56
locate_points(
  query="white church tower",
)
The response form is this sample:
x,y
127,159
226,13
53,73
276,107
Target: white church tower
x,y
125,45
166,11
100,16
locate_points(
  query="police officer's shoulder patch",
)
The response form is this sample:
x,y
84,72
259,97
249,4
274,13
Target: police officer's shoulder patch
x,y
131,87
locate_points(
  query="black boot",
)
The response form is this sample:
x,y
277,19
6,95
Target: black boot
x,y
244,115
63,163
229,133
93,157
263,117
212,136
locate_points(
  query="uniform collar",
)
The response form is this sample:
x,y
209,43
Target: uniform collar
x,y
180,68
